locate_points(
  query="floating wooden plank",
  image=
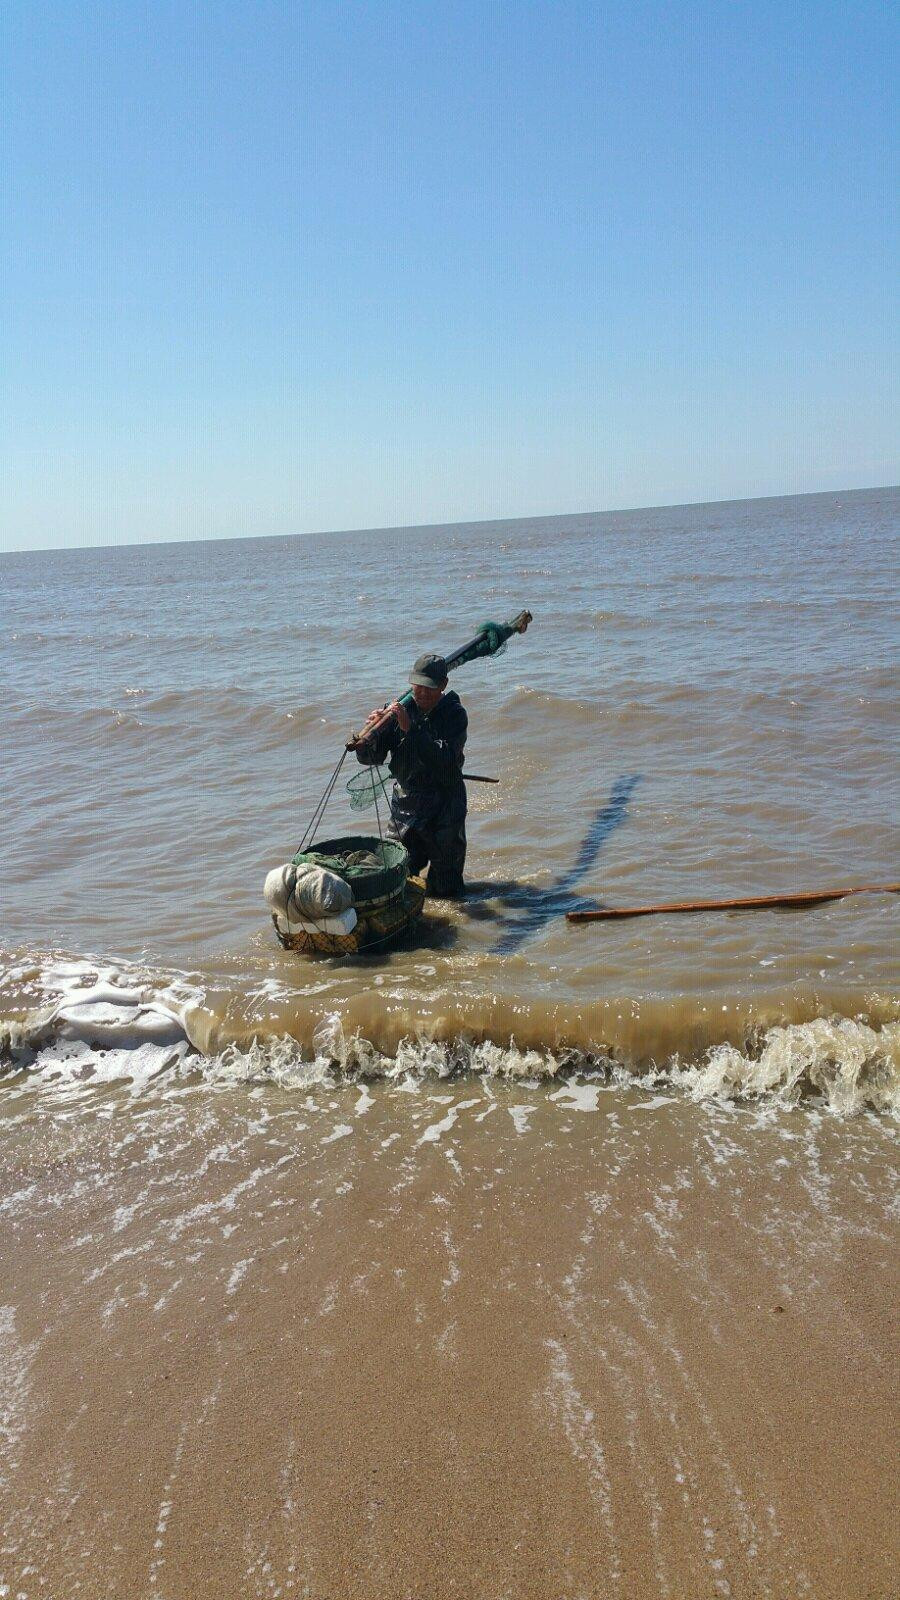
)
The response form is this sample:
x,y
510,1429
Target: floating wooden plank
x,y
752,903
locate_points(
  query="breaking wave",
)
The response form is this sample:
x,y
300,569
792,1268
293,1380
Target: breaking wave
x,y
83,1023
844,1065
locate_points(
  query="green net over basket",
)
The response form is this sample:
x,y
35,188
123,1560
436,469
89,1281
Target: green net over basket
x,y
373,867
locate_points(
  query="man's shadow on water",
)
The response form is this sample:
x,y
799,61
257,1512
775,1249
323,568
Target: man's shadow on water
x,y
537,906
540,906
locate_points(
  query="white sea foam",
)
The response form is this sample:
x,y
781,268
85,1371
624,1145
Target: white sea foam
x,y
15,1386
94,1023
847,1064
575,1096
342,1131
436,1130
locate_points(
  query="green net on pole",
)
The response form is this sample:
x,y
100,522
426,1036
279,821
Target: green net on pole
x,y
364,788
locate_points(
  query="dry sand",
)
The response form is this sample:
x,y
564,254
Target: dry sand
x,y
352,1344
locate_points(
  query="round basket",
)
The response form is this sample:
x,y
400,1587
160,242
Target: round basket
x,y
367,882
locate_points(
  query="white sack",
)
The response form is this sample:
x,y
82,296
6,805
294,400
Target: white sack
x,y
307,892
342,924
279,886
320,893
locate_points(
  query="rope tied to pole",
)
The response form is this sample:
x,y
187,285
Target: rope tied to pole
x,y
319,811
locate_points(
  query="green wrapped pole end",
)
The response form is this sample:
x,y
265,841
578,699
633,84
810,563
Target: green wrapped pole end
x,y
489,641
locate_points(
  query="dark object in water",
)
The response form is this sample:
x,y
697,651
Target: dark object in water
x,y
752,903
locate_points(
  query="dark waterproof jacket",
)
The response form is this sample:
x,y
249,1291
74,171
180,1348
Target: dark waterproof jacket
x,y
429,792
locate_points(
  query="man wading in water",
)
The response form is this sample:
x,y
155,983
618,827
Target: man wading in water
x,y
424,743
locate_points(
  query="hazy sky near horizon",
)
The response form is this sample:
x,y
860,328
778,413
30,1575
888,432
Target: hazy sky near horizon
x,y
278,267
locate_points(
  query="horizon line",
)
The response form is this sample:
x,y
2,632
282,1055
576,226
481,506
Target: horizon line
x,y
459,522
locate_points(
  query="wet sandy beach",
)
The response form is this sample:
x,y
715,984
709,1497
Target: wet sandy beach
x,y
566,1341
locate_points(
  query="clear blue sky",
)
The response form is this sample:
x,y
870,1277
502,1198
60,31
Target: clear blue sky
x,y
274,267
